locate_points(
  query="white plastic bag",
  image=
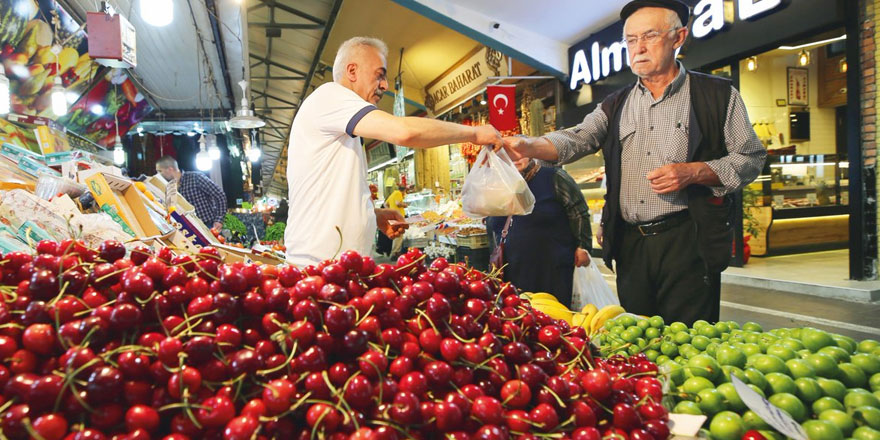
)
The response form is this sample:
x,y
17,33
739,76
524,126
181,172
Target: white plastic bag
x,y
590,287
495,188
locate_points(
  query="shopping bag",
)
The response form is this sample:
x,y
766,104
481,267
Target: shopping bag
x,y
590,287
495,188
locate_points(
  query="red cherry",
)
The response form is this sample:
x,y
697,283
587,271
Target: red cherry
x,y
141,417
448,415
544,417
586,433
516,394
39,338
50,426
598,383
217,412
323,417
241,428
487,410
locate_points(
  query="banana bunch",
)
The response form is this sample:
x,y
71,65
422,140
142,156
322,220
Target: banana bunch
x,y
591,318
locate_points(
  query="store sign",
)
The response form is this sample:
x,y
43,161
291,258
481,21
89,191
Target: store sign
x,y
464,79
603,53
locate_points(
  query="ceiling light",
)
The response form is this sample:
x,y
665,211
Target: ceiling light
x,y
118,153
97,109
59,98
213,149
203,159
804,58
190,133
752,64
157,12
842,66
815,43
482,99
244,118
4,91
254,154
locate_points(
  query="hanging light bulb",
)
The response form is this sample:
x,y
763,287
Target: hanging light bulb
x,y
254,154
804,58
244,118
157,12
752,64
203,159
118,152
841,66
4,91
213,149
59,98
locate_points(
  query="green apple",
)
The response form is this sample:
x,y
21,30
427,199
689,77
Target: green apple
x,y
869,363
824,364
735,371
852,376
815,339
794,344
682,337
678,327
808,389
790,404
867,416
709,331
752,327
656,321
700,342
825,403
767,363
696,384
839,354
874,382
800,368
781,351
757,379
711,401
669,348
727,425
857,397
846,343
867,345
753,421
866,433
750,348
843,420
822,430
688,407
780,383
832,388
734,402
704,365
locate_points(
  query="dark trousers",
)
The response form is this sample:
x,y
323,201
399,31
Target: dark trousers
x,y
664,275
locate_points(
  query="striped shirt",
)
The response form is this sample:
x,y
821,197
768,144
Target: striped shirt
x,y
654,133
208,198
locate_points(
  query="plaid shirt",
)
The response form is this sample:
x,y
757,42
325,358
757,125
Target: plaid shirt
x,y
572,200
208,198
654,133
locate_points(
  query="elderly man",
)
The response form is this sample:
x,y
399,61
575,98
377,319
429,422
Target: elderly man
x,y
330,207
199,190
676,144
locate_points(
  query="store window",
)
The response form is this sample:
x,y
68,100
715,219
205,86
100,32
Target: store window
x,y
795,96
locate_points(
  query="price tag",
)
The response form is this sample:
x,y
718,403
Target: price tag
x,y
685,425
811,197
778,201
775,417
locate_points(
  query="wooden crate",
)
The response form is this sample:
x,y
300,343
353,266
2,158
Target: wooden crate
x,y
473,241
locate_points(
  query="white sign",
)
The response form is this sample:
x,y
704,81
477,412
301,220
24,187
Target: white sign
x,y
464,80
594,60
775,417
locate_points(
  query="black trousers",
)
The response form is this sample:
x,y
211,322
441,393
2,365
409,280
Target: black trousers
x,y
664,275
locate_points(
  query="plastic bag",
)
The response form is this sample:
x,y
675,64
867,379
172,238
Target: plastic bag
x,y
495,188
590,287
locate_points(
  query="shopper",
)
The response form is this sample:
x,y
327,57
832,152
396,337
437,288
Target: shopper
x,y
330,207
542,249
198,189
677,144
395,202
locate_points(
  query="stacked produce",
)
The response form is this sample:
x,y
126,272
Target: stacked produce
x,y
102,343
590,318
829,383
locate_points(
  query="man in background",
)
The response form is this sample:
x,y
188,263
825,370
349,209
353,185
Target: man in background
x,y
395,202
199,190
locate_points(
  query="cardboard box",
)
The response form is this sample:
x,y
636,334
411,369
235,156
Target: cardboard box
x,y
59,157
34,167
51,140
15,153
159,184
120,193
234,254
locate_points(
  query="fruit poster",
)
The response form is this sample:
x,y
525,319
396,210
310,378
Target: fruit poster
x,y
28,30
113,98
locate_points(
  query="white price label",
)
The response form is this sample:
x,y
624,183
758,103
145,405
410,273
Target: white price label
x,y
779,201
811,197
775,417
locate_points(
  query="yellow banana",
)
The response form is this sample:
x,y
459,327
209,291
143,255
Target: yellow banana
x,y
589,320
589,309
543,295
579,320
606,313
554,311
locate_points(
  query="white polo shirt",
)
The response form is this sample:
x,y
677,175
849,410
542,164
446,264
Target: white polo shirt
x,y
327,178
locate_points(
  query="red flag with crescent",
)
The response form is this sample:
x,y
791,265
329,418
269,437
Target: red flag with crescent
x,y
502,106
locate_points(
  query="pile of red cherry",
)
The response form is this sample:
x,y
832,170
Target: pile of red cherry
x,y
105,343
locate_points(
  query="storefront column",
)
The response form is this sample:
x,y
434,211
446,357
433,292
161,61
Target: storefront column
x,y
432,166
863,262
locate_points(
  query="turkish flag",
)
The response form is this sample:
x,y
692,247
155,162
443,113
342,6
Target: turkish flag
x,y
502,106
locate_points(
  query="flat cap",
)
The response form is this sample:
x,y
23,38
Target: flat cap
x,y
680,8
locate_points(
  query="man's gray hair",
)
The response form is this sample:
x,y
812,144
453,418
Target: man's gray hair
x,y
165,162
672,20
348,50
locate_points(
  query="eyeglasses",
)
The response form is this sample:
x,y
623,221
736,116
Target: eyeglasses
x,y
649,37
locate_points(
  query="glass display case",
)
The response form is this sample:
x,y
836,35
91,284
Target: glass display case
x,y
792,182
419,202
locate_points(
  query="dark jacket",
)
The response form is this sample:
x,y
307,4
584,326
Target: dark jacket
x,y
710,97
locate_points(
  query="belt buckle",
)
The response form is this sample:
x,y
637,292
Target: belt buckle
x,y
646,234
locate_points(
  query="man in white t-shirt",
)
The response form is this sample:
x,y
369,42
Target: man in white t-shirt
x,y
330,206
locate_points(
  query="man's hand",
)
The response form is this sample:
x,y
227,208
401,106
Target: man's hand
x,y
581,258
678,176
488,135
599,236
517,147
218,226
390,222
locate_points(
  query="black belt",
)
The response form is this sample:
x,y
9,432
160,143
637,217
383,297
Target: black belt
x,y
661,225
